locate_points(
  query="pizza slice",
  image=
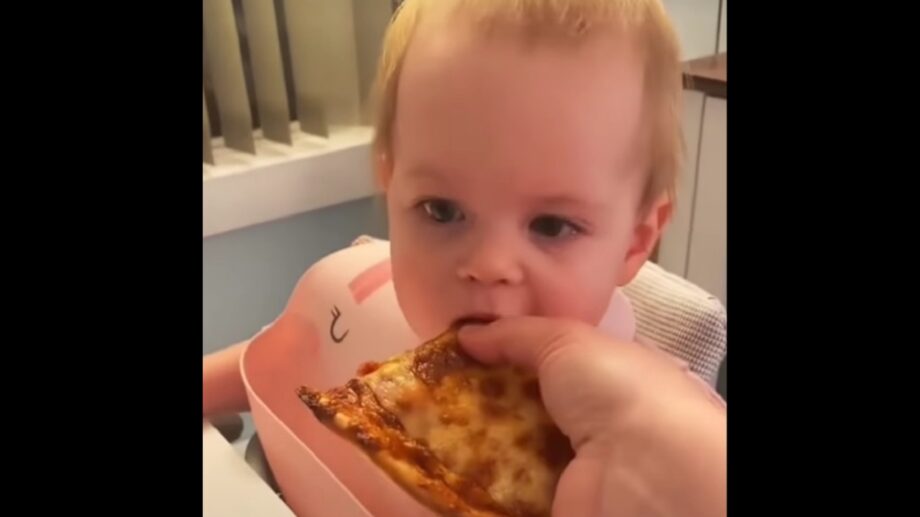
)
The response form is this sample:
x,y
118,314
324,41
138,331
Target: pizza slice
x,y
463,438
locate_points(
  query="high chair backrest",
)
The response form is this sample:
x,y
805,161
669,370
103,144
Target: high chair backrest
x,y
681,318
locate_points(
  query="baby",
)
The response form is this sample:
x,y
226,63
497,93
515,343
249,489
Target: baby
x,y
528,151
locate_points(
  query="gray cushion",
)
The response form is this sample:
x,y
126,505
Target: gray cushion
x,y
681,318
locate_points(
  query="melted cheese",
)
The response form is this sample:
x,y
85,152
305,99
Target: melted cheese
x,y
486,425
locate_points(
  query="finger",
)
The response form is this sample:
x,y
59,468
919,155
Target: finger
x,y
522,341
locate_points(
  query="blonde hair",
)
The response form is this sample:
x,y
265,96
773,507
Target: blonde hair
x,y
573,20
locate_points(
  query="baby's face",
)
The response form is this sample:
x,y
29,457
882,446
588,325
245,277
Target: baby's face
x,y
514,182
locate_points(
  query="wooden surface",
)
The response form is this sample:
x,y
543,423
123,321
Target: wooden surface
x,y
708,75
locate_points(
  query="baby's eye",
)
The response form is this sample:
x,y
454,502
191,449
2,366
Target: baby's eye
x,y
553,227
442,211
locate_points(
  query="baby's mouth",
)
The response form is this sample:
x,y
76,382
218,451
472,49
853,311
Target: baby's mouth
x,y
474,319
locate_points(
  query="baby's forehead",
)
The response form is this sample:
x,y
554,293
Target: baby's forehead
x,y
500,116
475,101
562,41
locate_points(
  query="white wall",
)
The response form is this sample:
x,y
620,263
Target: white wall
x,y
694,245
707,253
697,24
672,251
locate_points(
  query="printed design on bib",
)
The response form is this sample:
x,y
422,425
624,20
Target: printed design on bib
x,y
361,287
336,314
370,280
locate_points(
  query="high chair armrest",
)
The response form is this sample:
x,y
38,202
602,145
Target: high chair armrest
x,y
230,426
255,458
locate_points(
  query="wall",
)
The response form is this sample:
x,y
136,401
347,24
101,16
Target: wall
x,y
697,24
249,273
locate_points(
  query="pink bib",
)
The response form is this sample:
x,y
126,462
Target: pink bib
x,y
342,313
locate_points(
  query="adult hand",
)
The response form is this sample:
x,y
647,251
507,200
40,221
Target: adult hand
x,y
650,438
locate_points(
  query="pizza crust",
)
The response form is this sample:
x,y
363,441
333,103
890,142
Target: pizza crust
x,y
353,412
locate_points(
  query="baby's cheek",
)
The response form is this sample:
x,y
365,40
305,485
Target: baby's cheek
x,y
583,302
420,306
573,283
422,294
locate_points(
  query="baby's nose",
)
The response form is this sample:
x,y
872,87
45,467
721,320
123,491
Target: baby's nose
x,y
491,264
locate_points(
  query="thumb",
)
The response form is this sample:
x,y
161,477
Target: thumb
x,y
525,341
577,374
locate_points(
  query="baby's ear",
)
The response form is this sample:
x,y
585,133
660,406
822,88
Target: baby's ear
x,y
645,236
383,169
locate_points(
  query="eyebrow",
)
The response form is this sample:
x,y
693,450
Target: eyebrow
x,y
566,201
